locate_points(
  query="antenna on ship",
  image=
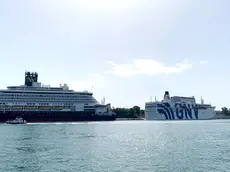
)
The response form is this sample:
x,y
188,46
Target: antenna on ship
x,y
103,101
202,100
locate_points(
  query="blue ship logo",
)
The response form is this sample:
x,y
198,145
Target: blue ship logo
x,y
183,111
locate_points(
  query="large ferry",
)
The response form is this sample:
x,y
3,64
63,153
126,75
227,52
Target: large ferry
x,y
35,102
178,108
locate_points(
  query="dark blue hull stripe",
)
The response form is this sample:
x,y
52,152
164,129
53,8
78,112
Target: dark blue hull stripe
x,y
55,116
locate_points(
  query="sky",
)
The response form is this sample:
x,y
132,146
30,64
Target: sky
x,y
123,50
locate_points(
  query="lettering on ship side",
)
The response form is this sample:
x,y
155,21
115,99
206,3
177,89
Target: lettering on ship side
x,y
183,111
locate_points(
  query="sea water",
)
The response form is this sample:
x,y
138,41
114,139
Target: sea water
x,y
126,146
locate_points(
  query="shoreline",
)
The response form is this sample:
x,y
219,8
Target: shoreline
x,y
221,116
126,119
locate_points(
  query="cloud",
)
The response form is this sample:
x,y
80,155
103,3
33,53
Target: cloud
x,y
204,62
92,4
94,81
147,67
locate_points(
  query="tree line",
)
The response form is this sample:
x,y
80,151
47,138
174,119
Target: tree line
x,y
134,112
226,111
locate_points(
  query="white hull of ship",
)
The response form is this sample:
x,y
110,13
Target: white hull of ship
x,y
178,108
203,114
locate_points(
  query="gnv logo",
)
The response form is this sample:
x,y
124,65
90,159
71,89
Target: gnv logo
x,y
187,113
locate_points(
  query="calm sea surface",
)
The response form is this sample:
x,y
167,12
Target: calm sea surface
x,y
127,146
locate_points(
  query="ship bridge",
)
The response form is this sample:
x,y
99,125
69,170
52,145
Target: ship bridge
x,y
183,99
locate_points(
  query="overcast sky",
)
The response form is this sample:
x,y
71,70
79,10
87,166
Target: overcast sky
x,y
128,50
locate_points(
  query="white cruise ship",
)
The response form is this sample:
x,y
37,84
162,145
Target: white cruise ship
x,y
178,108
36,103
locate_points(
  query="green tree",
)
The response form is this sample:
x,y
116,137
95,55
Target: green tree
x,y
142,113
137,109
225,110
134,112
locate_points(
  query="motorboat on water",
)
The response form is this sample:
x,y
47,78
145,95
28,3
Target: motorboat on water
x,y
16,121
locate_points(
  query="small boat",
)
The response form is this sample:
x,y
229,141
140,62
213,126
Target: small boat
x,y
16,121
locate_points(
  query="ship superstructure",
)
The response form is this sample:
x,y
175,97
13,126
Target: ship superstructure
x,y
178,108
41,103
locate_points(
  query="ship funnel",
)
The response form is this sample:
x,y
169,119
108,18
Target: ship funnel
x,y
167,97
30,78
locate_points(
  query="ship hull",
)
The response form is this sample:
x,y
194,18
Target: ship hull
x,y
35,117
157,116
165,111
